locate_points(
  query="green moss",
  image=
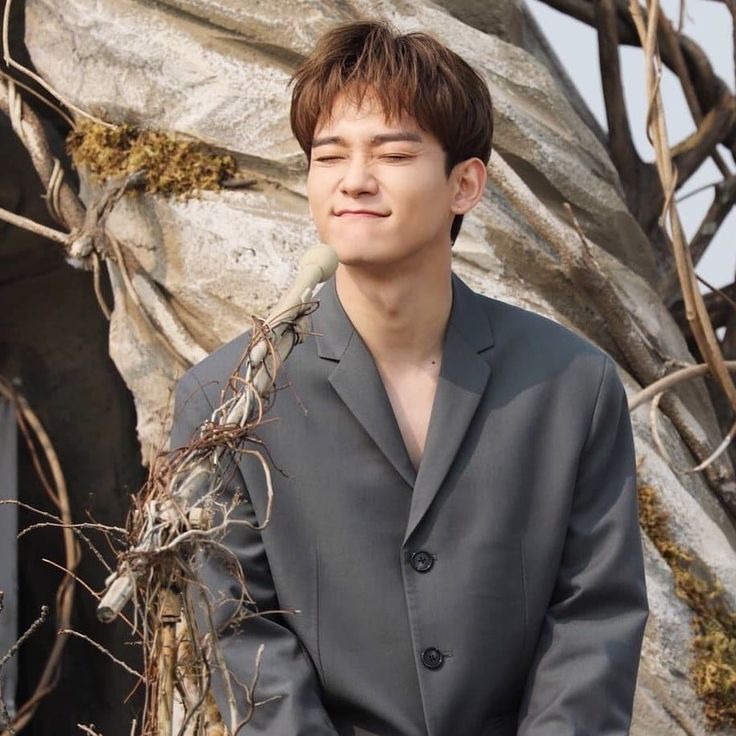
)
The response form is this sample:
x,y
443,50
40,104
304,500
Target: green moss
x,y
173,166
713,669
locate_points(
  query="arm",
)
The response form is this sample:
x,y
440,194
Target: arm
x,y
286,672
583,673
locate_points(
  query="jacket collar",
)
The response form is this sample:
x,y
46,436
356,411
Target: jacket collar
x,y
462,382
334,329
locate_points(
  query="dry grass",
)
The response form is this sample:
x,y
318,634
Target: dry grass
x,y
713,668
172,166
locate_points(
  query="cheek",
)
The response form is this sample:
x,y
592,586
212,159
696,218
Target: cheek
x,y
427,201
315,199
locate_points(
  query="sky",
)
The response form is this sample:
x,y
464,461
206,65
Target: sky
x,y
709,24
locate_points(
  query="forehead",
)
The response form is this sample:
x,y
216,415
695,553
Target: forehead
x,y
365,119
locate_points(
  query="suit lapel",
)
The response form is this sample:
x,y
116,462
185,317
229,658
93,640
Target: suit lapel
x,y
463,378
462,381
359,385
356,380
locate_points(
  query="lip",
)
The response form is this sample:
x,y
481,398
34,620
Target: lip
x,y
359,213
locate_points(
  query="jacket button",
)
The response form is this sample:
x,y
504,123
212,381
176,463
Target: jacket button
x,y
432,658
422,561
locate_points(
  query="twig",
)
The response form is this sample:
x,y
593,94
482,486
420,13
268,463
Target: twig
x,y
706,85
12,63
690,153
35,227
29,632
97,286
697,190
32,428
28,127
721,292
89,729
99,646
724,199
620,141
39,97
250,692
672,379
80,525
719,302
653,412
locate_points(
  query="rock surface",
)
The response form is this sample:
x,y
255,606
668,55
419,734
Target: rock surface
x,y
218,72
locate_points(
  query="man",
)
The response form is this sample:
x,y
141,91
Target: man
x,y
456,522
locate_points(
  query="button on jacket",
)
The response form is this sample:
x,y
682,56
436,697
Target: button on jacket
x,y
499,590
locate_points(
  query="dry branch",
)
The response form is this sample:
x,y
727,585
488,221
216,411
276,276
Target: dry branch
x,y
673,379
63,203
186,506
724,199
35,434
15,65
720,304
620,141
710,100
695,311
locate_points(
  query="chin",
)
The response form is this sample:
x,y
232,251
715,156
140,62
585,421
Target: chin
x,y
363,255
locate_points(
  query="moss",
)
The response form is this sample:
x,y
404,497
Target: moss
x,y
173,166
713,669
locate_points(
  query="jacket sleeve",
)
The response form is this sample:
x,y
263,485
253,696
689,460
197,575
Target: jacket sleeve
x,y
286,679
583,673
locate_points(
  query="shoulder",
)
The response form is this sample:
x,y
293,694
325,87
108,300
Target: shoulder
x,y
210,376
533,343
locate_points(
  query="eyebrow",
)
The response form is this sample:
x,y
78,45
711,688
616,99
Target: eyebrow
x,y
376,140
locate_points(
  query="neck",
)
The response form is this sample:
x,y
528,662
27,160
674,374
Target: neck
x,y
401,315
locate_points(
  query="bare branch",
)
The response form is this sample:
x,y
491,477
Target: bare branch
x,y
620,142
107,652
719,303
90,730
707,87
32,429
12,63
671,380
724,200
34,227
695,311
63,203
714,127
28,633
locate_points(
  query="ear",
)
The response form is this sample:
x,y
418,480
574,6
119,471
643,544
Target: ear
x,y
469,179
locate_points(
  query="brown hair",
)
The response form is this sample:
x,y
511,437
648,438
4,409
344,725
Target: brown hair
x,y
411,74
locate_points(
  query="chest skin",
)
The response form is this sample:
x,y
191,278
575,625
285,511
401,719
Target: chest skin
x,y
411,391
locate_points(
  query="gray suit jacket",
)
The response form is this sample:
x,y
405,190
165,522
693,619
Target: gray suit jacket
x,y
500,590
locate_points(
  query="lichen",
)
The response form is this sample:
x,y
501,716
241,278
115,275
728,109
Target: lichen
x,y
172,166
713,668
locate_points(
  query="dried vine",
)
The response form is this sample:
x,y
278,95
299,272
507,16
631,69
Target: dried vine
x,y
55,487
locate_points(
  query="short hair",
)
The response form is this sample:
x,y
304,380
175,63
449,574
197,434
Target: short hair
x,y
410,74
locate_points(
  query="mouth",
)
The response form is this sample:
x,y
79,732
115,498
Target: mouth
x,y
359,213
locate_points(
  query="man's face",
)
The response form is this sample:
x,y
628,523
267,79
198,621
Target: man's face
x,y
378,192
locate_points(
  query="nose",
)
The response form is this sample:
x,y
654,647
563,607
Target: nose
x,y
357,178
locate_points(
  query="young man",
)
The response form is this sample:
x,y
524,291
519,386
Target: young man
x,y
456,522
